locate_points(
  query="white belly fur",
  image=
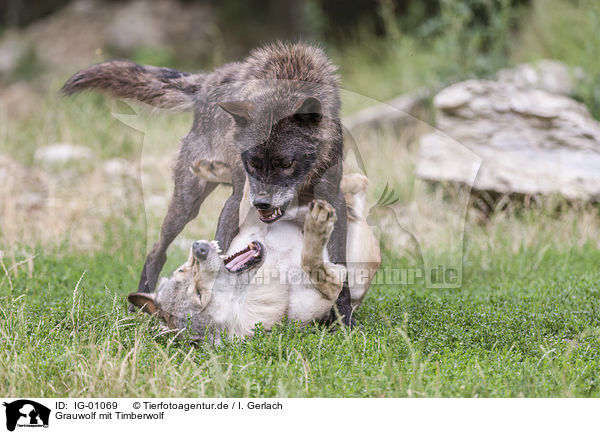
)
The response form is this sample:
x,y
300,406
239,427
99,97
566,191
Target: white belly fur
x,y
279,287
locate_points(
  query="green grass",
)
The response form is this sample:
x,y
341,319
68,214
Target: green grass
x,y
510,331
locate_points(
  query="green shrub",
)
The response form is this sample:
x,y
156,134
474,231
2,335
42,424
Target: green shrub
x,y
566,31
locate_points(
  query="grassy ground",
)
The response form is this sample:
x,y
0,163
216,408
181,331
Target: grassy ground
x,y
525,322
529,326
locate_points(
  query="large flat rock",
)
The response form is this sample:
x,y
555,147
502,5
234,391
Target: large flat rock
x,y
522,139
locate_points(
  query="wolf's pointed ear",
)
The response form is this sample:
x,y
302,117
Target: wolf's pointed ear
x,y
240,110
144,301
309,110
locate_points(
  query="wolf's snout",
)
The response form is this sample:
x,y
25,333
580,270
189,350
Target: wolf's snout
x,y
201,249
267,212
261,205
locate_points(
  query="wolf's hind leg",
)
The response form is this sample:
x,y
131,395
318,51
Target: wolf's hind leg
x,y
327,277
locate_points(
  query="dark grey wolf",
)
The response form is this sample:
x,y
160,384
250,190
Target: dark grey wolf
x,y
270,271
274,117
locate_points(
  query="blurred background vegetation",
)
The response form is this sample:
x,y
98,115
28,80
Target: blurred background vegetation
x,y
383,47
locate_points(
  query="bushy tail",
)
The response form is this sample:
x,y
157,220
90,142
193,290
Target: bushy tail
x,y
158,87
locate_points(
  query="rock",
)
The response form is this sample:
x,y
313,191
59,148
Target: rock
x,y
62,154
525,140
549,75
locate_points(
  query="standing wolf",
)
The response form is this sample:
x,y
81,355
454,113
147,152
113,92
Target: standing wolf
x,y
273,117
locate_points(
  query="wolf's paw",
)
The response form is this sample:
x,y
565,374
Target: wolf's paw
x,y
212,171
320,220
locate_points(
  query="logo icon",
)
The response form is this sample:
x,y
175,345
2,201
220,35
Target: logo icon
x,y
26,413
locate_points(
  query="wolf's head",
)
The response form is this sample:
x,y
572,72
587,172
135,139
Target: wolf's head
x,y
284,149
286,123
181,298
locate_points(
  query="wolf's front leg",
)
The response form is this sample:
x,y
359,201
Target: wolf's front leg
x,y
327,277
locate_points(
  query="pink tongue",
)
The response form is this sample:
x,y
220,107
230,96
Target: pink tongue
x,y
239,261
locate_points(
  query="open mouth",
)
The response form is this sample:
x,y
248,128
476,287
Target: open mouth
x,y
270,216
244,259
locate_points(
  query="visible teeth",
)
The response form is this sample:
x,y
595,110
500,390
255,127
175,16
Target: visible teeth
x,y
256,255
215,245
276,213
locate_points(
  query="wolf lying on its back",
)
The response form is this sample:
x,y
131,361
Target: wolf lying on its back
x,y
270,271
274,117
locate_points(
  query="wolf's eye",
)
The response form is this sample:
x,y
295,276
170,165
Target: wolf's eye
x,y
287,164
